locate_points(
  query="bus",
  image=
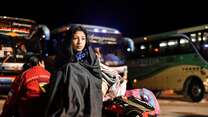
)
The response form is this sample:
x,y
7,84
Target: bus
x,y
112,45
175,60
17,41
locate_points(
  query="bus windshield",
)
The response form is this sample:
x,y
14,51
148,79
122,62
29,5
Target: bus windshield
x,y
13,34
19,39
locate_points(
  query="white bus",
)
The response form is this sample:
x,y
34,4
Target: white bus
x,y
114,47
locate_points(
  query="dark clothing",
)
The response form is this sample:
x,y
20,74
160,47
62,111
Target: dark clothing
x,y
31,108
25,97
75,91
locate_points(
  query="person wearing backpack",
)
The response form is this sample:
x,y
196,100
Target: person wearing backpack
x,y
25,99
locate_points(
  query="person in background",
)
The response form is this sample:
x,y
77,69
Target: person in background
x,y
113,84
21,49
25,99
75,88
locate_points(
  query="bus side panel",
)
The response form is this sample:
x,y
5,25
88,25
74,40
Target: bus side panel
x,y
172,78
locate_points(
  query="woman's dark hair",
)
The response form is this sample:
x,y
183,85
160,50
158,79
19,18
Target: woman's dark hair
x,y
68,39
66,54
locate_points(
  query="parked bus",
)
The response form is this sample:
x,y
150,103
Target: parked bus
x,y
166,61
17,41
113,46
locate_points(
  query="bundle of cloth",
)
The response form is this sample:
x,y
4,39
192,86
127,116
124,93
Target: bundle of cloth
x,y
119,101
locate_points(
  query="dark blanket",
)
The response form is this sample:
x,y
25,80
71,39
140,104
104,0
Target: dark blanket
x,y
75,91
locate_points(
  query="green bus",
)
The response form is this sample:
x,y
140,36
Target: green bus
x,y
166,61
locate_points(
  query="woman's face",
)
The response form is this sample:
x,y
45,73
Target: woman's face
x,y
78,41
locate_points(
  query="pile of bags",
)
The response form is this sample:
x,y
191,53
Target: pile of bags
x,y
119,102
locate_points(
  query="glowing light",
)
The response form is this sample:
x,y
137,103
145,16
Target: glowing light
x,y
204,38
135,81
156,50
193,35
199,33
116,32
104,31
183,41
206,45
128,49
43,36
20,30
171,43
19,24
199,38
145,38
96,30
142,47
194,40
12,34
163,44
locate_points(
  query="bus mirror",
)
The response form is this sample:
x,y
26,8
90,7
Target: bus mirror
x,y
45,31
41,30
44,37
130,44
38,39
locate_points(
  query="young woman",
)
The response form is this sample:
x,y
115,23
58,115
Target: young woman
x,y
75,90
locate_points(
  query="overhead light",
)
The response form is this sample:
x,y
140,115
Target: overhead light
x,y
104,31
206,45
96,30
163,44
116,32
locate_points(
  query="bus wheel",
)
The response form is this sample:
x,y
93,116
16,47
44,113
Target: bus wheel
x,y
196,90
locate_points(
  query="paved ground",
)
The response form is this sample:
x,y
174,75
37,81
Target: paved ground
x,y
170,108
173,106
177,106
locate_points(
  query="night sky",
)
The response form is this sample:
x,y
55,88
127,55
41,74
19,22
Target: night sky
x,y
133,17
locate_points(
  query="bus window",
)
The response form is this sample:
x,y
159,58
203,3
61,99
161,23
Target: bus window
x,y
204,45
13,37
193,37
163,47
